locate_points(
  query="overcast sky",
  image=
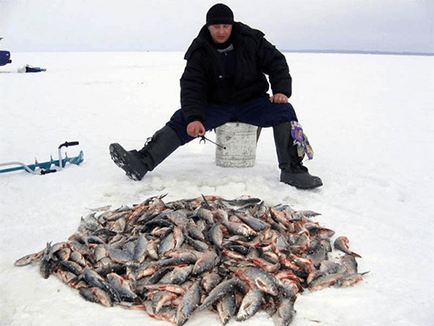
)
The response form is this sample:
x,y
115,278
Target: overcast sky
x,y
170,25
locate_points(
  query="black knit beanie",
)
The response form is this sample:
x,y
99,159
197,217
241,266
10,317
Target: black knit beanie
x,y
219,14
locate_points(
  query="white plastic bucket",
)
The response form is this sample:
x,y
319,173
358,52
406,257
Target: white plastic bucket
x,y
240,142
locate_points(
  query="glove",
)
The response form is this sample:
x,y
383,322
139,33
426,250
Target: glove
x,y
301,141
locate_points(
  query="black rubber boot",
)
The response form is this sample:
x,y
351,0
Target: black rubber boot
x,y
293,171
137,163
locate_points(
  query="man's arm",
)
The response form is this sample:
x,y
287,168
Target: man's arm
x,y
194,90
274,64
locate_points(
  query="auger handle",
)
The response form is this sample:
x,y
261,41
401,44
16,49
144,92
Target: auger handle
x,y
66,144
43,172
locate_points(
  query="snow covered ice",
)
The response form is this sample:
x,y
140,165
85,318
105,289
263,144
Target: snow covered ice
x,y
369,118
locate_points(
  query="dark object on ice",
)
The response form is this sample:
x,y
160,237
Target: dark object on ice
x,y
28,68
46,167
5,58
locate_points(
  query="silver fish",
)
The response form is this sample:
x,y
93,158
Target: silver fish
x,y
89,223
349,264
197,244
350,280
216,235
165,287
66,277
119,225
279,217
195,230
242,202
210,280
29,259
167,244
158,274
341,243
206,262
119,255
259,210
325,281
177,275
220,291
251,303
92,278
152,248
122,287
97,295
329,267
226,308
177,257
318,256
255,223
72,267
88,295
178,236
165,314
289,287
63,254
178,217
188,304
319,231
285,312
257,277
205,214
95,280
221,216
140,248
240,228
307,213
161,299
44,266
78,257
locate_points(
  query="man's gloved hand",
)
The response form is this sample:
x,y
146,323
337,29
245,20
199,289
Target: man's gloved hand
x,y
196,129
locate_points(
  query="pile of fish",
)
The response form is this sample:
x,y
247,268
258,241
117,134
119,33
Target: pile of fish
x,y
175,259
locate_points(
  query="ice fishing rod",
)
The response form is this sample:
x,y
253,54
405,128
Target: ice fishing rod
x,y
204,139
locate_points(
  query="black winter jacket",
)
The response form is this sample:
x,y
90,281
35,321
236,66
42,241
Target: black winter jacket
x,y
203,80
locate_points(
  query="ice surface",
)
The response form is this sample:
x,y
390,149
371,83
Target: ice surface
x,y
369,119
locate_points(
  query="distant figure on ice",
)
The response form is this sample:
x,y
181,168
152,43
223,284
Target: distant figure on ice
x,y
28,68
224,80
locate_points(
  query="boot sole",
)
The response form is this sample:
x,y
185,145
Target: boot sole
x,y
305,184
118,155
310,187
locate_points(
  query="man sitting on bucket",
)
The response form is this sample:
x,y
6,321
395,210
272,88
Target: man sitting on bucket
x,y
224,80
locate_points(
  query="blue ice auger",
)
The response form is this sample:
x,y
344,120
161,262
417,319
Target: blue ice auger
x,y
49,166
